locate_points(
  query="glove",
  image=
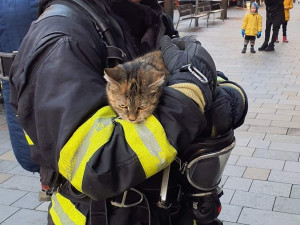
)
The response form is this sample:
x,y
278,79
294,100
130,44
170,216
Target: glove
x,y
229,108
243,33
178,53
259,34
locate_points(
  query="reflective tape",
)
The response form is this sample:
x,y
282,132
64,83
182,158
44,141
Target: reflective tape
x,y
149,141
85,141
64,212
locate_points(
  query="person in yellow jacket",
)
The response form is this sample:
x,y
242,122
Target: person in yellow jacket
x,y
252,27
288,4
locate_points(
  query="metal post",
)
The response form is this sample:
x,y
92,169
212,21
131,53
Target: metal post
x,y
224,5
196,11
169,7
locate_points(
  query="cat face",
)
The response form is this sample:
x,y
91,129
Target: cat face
x,y
133,90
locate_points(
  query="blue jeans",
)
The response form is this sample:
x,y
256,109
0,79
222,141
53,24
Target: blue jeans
x,y
18,141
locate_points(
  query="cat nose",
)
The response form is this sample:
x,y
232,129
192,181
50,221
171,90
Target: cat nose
x,y
131,117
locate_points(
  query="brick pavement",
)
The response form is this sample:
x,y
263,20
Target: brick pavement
x,y
262,178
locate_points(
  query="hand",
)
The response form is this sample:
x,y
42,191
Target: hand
x,y
259,34
243,33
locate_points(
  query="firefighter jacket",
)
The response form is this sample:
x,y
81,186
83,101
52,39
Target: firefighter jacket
x,y
252,24
288,4
58,91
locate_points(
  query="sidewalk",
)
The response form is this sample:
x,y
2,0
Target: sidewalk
x,y
262,178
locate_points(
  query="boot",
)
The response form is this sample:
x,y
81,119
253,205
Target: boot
x,y
252,49
270,47
284,39
263,47
244,49
276,41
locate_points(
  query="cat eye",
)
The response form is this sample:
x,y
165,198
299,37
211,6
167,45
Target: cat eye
x,y
122,106
141,107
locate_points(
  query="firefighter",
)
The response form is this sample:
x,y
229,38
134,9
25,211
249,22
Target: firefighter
x,y
105,170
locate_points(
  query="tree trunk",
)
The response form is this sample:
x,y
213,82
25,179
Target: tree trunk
x,y
224,5
169,7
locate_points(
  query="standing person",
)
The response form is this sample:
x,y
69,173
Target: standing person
x,y
274,18
109,169
15,19
288,4
252,27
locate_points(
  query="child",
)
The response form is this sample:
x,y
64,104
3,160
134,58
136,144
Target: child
x,y
288,4
252,27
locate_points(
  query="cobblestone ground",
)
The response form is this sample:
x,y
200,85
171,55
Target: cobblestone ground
x,y
262,178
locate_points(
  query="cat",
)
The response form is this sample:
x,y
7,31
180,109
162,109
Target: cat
x,y
133,88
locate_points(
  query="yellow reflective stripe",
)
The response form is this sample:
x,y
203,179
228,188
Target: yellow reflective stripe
x,y
149,141
29,141
85,141
64,212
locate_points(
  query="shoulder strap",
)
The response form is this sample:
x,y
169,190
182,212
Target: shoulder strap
x,y
115,55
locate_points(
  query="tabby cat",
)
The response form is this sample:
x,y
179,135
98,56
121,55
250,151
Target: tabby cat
x,y
133,88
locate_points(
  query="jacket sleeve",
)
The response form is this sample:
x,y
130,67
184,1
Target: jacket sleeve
x,y
59,93
245,21
259,23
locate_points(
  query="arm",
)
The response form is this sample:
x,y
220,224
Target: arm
x,y
61,103
245,21
259,23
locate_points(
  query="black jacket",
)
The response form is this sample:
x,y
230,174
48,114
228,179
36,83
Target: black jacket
x,y
275,11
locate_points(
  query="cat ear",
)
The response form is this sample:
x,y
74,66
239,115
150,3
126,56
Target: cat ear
x,y
111,75
158,80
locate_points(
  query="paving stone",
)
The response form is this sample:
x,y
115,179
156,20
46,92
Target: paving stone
x,y
237,183
2,150
9,196
5,144
269,130
9,156
7,165
284,177
264,217
245,151
254,143
295,193
294,131
253,200
18,170
271,188
261,110
22,183
288,205
260,163
268,116
4,177
235,171
228,223
223,180
43,206
285,146
230,213
253,135
256,173
276,106
285,124
232,159
28,201
29,217
257,122
6,212
274,154
292,167
242,142
283,138
227,196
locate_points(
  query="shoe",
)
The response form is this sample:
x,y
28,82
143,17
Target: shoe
x,y
252,50
270,48
284,39
263,47
277,41
244,49
43,196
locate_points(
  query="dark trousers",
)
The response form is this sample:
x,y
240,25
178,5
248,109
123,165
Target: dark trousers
x,y
276,27
284,25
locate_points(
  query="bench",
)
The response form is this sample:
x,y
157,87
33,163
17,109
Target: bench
x,y
187,11
216,8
